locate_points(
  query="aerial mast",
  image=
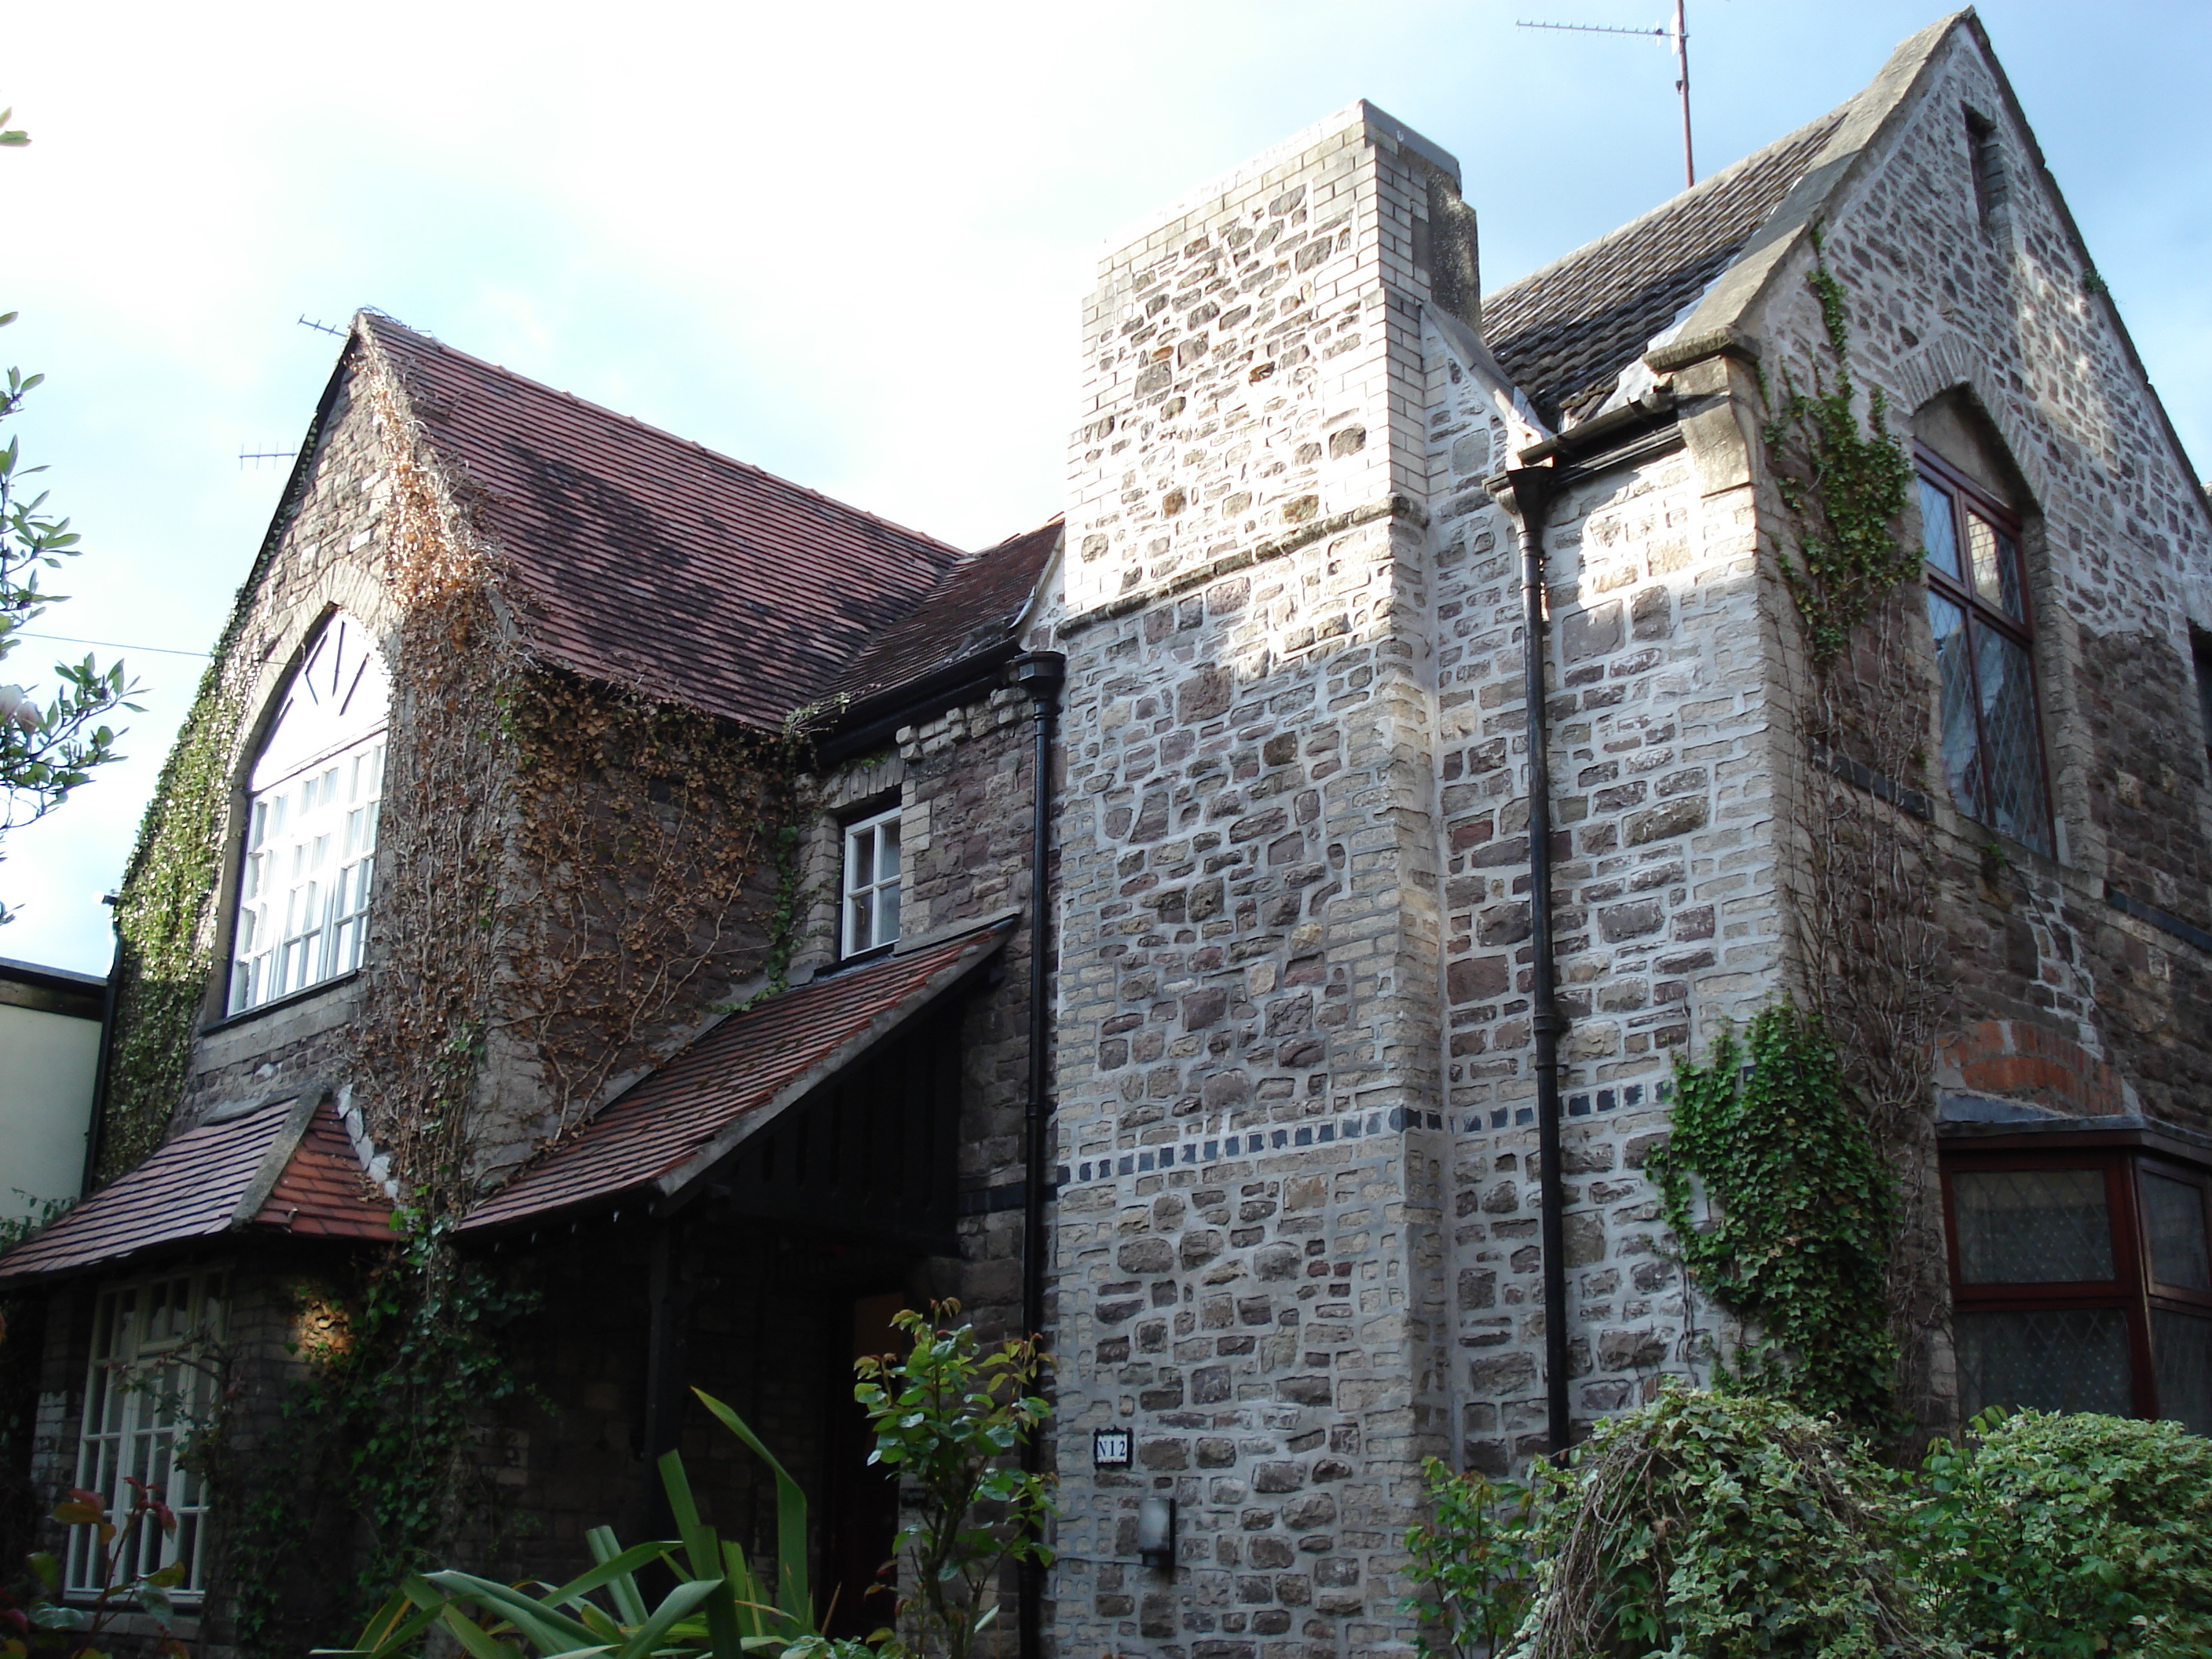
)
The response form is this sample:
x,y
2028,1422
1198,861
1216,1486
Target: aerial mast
x,y
1677,35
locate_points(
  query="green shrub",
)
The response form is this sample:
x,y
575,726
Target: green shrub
x,y
2051,1537
1722,1526
1472,1561
1801,1206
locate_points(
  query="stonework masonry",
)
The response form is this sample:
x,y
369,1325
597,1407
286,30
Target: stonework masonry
x,y
1247,1251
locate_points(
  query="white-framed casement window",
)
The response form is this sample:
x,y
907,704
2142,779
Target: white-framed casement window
x,y
148,1393
310,855
871,883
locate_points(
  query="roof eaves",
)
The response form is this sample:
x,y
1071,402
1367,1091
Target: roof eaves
x,y
678,1186
1720,317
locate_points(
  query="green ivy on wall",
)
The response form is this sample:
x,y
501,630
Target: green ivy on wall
x,y
166,932
1845,485
1799,1211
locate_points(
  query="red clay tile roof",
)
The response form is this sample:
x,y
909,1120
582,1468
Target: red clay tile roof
x,y
1565,333
641,559
213,1179
975,606
323,1192
675,1123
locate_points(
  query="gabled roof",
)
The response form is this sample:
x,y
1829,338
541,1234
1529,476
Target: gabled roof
x,y
976,607
1565,333
678,1123
638,558
280,1169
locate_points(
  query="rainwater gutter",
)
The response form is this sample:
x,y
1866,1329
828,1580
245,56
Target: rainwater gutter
x,y
1547,469
1042,674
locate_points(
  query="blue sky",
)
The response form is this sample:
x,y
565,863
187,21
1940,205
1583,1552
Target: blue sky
x,y
845,244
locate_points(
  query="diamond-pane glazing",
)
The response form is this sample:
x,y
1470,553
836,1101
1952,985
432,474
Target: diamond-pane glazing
x,y
2183,1368
1997,565
2032,1227
1961,738
1939,535
2175,1211
2012,759
2074,1360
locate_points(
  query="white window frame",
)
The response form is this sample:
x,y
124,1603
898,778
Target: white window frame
x,y
310,853
866,923
149,1393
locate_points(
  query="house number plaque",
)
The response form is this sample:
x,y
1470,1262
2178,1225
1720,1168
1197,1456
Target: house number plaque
x,y
1110,1448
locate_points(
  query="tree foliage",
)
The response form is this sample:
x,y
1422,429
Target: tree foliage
x,y
947,1418
50,744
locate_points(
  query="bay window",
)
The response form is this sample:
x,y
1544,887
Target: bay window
x,y
2081,1280
149,1391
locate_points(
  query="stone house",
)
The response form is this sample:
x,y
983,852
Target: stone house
x,y
1353,1044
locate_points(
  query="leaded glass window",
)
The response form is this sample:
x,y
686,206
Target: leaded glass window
x,y
1977,610
2082,1281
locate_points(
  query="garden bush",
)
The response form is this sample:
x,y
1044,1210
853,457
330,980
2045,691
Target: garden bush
x,y
1722,1526
2048,1537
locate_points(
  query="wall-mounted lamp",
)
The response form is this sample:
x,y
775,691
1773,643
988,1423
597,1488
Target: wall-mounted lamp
x,y
1156,1523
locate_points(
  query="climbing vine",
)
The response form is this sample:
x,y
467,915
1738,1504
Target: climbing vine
x,y
165,924
375,1458
1843,483
569,876
1875,972
1800,1204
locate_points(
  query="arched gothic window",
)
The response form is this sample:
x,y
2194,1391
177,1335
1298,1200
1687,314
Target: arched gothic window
x,y
310,859
1979,612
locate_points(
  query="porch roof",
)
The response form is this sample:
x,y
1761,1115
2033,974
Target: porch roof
x,y
288,1167
678,1123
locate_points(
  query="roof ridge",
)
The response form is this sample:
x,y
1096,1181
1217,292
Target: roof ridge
x,y
1706,185
388,320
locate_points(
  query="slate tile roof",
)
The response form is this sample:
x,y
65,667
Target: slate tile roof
x,y
197,1185
1565,333
978,602
639,558
646,1141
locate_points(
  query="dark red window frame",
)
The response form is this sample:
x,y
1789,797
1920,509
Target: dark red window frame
x,y
1982,616
2134,1288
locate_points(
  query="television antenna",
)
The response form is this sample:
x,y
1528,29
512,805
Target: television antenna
x,y
1677,35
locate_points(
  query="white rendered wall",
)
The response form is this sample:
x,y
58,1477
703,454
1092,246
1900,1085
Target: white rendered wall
x,y
46,1066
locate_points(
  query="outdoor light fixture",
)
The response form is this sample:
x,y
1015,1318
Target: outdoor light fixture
x,y
1156,1533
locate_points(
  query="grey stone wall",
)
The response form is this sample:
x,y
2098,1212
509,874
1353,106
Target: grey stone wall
x,y
2007,309
1667,916
1246,1247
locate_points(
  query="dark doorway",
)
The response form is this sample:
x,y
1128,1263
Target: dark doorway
x,y
860,1507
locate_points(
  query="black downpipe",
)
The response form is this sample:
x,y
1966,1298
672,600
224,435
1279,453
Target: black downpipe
x,y
1042,674
1533,491
95,1132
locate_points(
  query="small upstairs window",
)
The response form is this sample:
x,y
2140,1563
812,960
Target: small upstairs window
x,y
871,883
2200,647
1978,609
310,854
1992,186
